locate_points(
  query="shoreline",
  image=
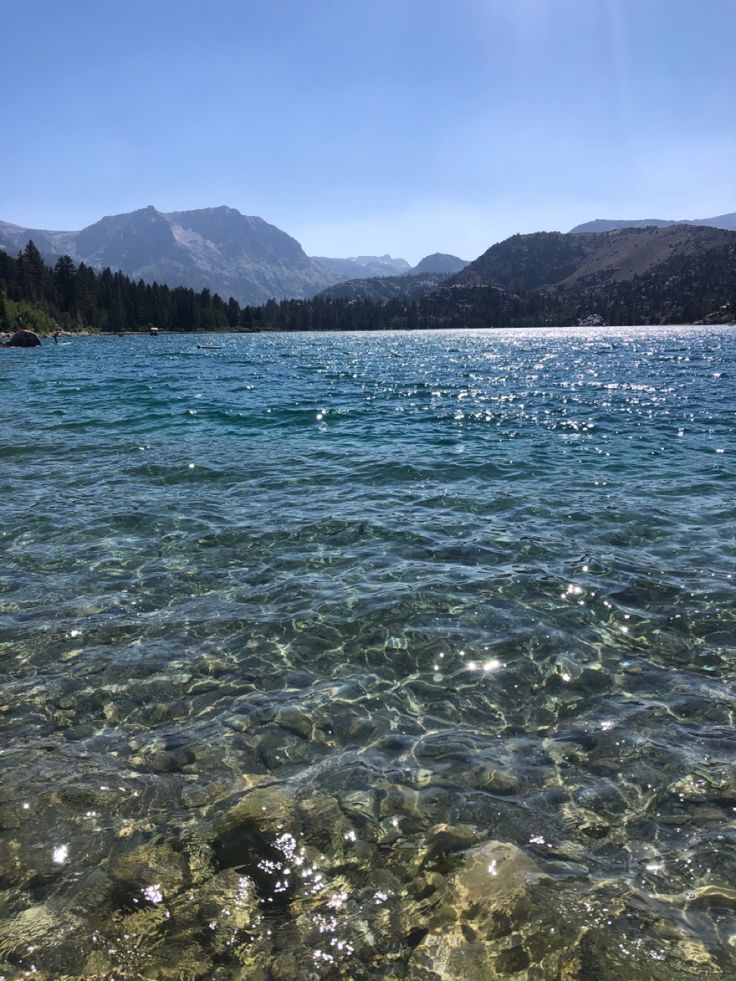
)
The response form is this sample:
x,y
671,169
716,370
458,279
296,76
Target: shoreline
x,y
92,332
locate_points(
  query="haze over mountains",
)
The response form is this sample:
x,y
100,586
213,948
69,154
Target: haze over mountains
x,y
214,248
608,225
365,266
430,272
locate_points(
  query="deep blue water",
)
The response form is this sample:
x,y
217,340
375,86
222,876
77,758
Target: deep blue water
x,y
297,632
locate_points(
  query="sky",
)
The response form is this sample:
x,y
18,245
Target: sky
x,y
370,126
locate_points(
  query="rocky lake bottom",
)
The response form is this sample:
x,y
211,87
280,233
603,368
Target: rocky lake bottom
x,y
370,656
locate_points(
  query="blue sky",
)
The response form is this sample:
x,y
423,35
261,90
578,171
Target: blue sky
x,y
401,126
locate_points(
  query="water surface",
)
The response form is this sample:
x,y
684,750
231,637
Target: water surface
x,y
385,655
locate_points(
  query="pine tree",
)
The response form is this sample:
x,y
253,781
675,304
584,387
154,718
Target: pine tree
x,y
34,275
65,275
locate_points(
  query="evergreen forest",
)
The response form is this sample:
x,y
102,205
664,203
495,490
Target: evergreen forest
x,y
693,283
76,297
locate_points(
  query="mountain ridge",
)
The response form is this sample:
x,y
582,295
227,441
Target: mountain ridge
x,y
727,222
381,289
675,274
216,248
428,273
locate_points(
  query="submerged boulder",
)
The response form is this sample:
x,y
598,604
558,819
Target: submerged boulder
x,y
493,918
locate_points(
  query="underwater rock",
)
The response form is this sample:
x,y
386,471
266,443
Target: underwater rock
x,y
360,730
325,825
227,901
449,958
11,868
479,777
163,761
171,959
284,967
493,873
111,712
277,747
501,916
297,679
398,799
218,667
150,864
295,720
476,902
395,743
266,808
717,784
497,781
360,805
444,840
36,925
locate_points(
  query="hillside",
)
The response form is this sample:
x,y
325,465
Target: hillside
x,y
214,248
727,222
380,290
210,248
423,278
551,259
439,262
676,274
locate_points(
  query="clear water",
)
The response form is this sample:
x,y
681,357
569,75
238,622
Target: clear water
x,y
392,655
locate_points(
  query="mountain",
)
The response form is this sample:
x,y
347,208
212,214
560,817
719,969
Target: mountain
x,y
676,274
423,278
562,262
13,238
607,225
214,248
363,266
381,289
439,262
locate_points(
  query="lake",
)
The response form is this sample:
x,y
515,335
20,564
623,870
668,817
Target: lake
x,y
380,655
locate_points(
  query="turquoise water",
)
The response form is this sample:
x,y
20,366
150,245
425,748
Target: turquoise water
x,y
388,655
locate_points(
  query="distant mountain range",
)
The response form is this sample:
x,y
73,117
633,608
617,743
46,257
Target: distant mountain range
x,y
608,225
214,248
384,288
606,268
652,275
425,276
364,266
673,274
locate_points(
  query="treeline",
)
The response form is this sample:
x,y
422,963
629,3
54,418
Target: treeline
x,y
76,297
688,287
692,286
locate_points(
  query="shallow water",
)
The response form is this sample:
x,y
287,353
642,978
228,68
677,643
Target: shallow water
x,y
387,655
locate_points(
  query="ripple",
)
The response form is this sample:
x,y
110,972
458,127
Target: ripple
x,y
326,651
